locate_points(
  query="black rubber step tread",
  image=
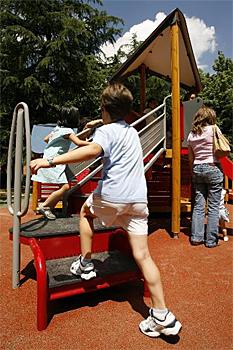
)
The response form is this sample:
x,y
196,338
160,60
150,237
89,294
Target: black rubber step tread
x,y
61,226
106,263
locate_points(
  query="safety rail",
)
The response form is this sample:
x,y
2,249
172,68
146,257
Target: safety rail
x,y
20,122
74,169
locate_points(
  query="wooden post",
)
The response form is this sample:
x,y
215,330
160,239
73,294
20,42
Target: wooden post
x,y
142,87
34,195
226,187
176,183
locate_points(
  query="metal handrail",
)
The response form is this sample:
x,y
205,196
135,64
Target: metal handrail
x,y
20,122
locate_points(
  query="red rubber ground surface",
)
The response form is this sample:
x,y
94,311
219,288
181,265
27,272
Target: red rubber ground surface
x,y
198,288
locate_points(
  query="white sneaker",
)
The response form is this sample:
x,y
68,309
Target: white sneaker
x,y
224,214
46,211
153,327
85,272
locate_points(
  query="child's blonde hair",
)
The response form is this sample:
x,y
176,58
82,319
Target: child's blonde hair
x,y
117,100
204,116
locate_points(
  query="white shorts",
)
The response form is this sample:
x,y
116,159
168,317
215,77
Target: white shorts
x,y
132,217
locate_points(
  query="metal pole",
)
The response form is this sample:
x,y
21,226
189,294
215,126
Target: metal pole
x,y
17,201
175,129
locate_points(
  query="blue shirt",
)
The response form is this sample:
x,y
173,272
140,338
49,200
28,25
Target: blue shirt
x,y
57,145
123,178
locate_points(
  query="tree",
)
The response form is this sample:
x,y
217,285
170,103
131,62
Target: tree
x,y
49,57
218,92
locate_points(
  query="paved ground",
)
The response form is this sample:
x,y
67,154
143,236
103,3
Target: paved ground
x,y
198,288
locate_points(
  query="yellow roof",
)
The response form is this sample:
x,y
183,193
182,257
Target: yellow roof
x,y
155,54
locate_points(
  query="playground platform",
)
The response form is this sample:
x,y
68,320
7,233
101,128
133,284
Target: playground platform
x,y
198,284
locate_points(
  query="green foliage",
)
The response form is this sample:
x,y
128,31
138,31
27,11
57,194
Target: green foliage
x,y
49,57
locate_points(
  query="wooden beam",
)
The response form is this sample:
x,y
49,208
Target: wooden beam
x,y
142,87
176,183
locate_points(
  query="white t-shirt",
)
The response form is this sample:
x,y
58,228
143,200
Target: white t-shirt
x,y
202,146
123,179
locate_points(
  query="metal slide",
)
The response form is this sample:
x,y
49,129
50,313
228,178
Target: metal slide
x,y
152,137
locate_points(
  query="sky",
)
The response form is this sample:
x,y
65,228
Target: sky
x,y
209,22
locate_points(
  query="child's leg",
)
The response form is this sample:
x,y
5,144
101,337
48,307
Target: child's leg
x,y
82,266
160,320
86,231
56,196
223,229
139,244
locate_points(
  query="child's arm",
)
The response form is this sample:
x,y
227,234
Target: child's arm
x,y
46,139
91,151
93,123
77,141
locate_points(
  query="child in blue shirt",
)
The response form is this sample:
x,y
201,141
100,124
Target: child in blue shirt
x,y
120,199
58,142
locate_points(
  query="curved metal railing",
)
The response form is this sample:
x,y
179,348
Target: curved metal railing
x,y
20,123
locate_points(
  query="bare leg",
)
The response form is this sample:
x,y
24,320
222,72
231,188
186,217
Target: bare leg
x,y
56,196
86,231
223,228
139,244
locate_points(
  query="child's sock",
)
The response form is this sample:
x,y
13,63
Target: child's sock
x,y
160,313
85,261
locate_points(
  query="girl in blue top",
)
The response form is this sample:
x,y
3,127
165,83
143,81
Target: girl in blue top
x,y
58,142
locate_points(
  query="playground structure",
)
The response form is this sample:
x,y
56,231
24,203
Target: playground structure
x,y
55,246
158,176
167,53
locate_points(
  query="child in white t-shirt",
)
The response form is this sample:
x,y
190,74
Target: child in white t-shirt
x,y
121,199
